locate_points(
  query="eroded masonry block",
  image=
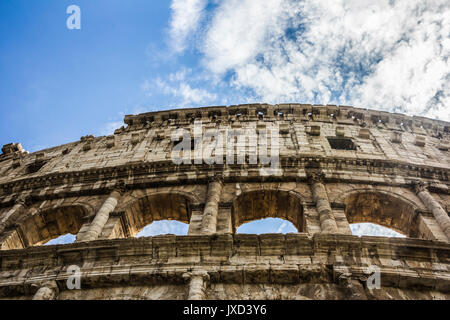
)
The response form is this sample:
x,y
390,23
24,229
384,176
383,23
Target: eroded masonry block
x,y
17,161
11,148
340,131
110,141
364,133
420,141
136,138
314,130
443,145
284,128
396,137
88,142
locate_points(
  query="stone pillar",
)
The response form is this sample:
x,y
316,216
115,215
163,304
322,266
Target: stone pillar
x,y
20,204
209,219
431,204
195,223
47,291
102,216
224,220
198,281
326,216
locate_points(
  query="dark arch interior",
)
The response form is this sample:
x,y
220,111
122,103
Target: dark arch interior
x,y
382,209
166,206
50,224
262,204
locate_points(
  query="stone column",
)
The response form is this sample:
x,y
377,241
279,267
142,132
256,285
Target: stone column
x,y
198,281
209,219
20,204
431,204
47,291
326,216
102,216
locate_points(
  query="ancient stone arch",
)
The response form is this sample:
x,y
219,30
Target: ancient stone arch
x,y
155,207
383,208
268,203
47,224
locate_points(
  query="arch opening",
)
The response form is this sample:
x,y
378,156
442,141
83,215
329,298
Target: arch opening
x,y
262,204
374,230
162,227
267,225
52,223
51,226
145,211
382,209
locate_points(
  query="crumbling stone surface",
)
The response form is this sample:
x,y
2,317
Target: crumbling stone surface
x,y
337,166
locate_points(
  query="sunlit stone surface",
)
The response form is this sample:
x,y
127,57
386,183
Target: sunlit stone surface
x,y
353,192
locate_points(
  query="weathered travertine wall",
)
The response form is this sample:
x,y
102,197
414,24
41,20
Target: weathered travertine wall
x,y
338,165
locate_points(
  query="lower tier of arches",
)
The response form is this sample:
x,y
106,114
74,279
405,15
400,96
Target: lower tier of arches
x,y
221,208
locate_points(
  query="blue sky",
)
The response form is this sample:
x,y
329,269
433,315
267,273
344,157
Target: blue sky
x,y
57,85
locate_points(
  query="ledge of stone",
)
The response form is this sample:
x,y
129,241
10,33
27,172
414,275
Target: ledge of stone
x,y
239,258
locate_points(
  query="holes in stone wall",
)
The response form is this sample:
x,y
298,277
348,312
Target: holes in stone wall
x,y
34,167
340,143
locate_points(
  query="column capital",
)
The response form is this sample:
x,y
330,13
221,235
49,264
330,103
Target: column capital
x,y
315,177
187,276
419,186
120,187
216,178
23,200
46,290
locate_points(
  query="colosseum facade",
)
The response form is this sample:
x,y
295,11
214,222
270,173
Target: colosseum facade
x,y
336,166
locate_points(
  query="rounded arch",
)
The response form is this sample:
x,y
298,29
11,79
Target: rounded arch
x,y
383,208
50,223
193,199
344,195
256,204
272,187
157,206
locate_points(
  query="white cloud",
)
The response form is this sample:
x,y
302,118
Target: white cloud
x,y
186,95
164,227
370,229
238,30
179,88
110,127
186,15
281,227
390,55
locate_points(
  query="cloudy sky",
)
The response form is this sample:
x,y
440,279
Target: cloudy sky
x,y
57,85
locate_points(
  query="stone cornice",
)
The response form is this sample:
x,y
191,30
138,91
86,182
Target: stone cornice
x,y
148,174
328,113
